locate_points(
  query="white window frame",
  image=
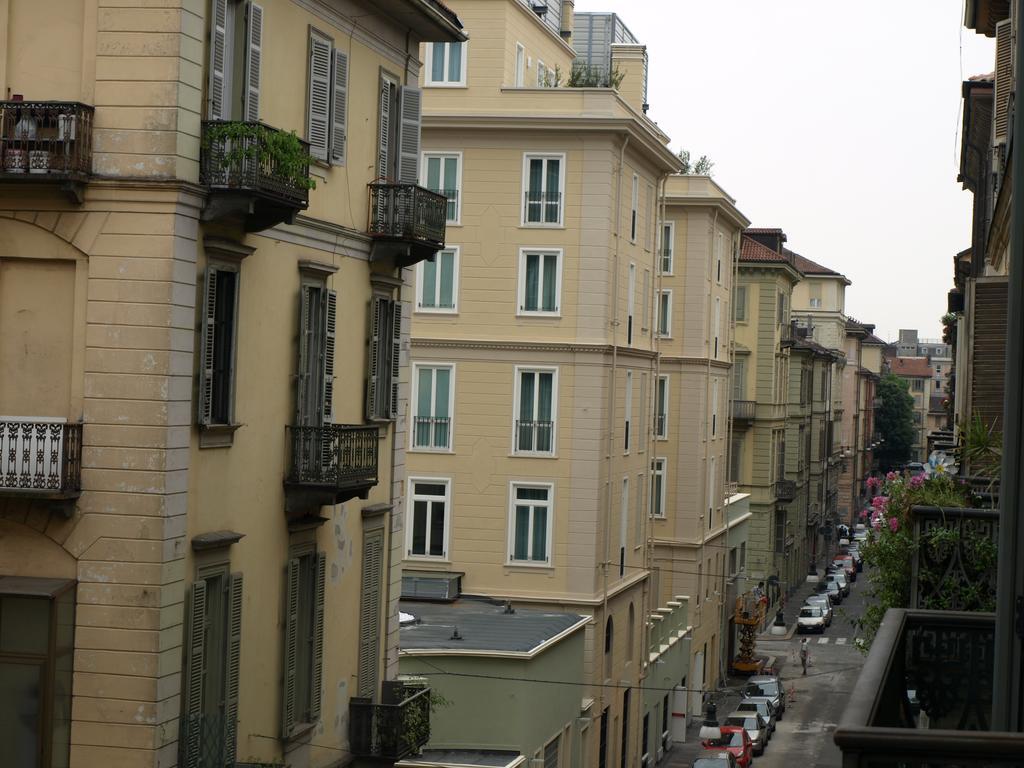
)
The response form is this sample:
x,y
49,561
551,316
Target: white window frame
x,y
414,404
453,310
738,304
519,370
428,66
630,302
519,68
426,156
542,74
716,345
719,247
510,559
671,237
634,223
628,420
645,319
410,512
521,290
815,302
714,409
663,435
667,334
659,468
527,157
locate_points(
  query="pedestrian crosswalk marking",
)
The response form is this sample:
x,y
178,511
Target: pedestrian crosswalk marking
x,y
840,641
822,640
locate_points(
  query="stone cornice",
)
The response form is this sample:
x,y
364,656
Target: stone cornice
x,y
531,346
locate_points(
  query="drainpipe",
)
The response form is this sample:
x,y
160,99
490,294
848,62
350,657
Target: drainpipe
x,y
709,515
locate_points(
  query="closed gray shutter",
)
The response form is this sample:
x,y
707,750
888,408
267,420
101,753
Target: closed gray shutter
x,y
291,630
409,101
232,671
373,363
1004,79
330,318
316,684
318,116
369,612
195,635
254,58
302,373
219,13
384,136
339,108
396,351
206,341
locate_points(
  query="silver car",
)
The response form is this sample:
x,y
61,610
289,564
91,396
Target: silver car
x,y
841,582
754,725
770,686
823,602
763,706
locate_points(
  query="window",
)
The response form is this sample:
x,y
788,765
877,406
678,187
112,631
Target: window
x,y
443,174
545,77
437,283
427,527
236,52
668,234
780,531
535,411
385,350
916,385
630,302
645,738
743,555
740,308
628,412
37,646
739,379
520,71
645,318
648,200
714,409
370,603
661,409
602,739
303,639
735,459
318,311
732,561
634,208
212,648
218,342
780,313
551,753
398,135
658,487
434,398
713,495
640,518
445,64
643,422
624,746
530,524
543,186
540,282
631,634
623,525
718,257
665,313
716,327
815,303
327,100
814,291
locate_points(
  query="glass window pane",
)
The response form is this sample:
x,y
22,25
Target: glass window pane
x,y
532,494
437,529
437,63
536,176
424,392
429,489
540,534
451,172
20,702
526,396
429,296
532,282
522,532
454,62
24,624
544,396
419,527
434,173
446,265
442,388
550,282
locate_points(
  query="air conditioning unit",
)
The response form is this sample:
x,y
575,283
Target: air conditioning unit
x,y
539,8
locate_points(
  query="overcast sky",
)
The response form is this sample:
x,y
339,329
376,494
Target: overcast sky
x,y
838,123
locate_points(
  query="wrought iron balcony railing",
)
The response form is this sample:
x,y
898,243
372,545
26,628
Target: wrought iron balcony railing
x,y
542,207
452,209
432,432
389,731
334,456
784,490
407,212
924,696
953,566
744,410
535,436
40,458
45,140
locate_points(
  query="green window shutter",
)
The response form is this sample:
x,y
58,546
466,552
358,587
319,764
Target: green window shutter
x,y
396,351
302,374
330,319
289,705
339,107
232,668
318,111
195,636
316,684
253,61
218,34
206,355
384,135
369,613
409,104
373,364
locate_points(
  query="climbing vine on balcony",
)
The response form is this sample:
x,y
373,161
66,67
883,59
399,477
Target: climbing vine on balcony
x,y
236,144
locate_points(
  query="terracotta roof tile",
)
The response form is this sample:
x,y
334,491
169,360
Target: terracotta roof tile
x,y
763,230
751,250
914,367
809,267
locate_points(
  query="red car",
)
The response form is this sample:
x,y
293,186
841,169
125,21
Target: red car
x,y
735,740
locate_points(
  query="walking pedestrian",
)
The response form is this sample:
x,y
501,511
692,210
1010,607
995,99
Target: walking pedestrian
x,y
803,654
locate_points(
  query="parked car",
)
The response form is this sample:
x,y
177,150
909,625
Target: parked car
x,y
754,725
763,706
831,588
825,603
735,740
846,563
915,468
719,758
770,686
811,619
840,580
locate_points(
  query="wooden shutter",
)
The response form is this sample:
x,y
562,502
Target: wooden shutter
x,y
330,318
253,60
316,684
206,341
291,629
318,109
195,636
373,364
988,350
339,107
232,671
409,102
369,612
1004,79
302,373
218,34
396,351
384,137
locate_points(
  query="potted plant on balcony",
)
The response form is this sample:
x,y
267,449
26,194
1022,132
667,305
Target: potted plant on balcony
x,y
240,151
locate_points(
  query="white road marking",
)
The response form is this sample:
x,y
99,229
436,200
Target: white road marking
x,y
840,641
822,640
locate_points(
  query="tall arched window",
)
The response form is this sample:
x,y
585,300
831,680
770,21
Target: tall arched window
x,y
608,631
630,633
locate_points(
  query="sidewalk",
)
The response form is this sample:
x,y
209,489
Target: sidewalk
x,y
790,611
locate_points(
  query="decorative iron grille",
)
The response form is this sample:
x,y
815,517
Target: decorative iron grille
x,y
432,432
785,490
46,138
40,456
744,409
407,212
335,455
389,731
542,207
535,436
201,741
247,164
953,565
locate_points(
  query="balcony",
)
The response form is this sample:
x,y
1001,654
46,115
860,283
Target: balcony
x,y
328,465
407,222
743,411
953,566
784,490
40,459
390,731
542,208
786,336
257,175
47,142
432,432
535,437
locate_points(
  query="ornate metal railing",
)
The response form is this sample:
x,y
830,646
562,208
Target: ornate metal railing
x,y
535,436
333,456
784,490
744,410
432,432
542,207
452,209
203,741
924,696
42,457
46,138
389,731
244,159
954,559
407,212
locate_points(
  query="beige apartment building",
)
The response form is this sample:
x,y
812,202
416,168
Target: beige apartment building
x,y
860,378
920,380
699,234
534,354
203,328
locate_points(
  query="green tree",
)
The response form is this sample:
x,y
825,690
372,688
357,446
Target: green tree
x,y
894,419
702,167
